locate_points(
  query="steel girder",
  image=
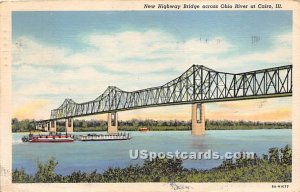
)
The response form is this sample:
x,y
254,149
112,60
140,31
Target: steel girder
x,y
197,84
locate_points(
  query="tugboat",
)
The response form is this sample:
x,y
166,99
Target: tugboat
x,y
143,129
58,138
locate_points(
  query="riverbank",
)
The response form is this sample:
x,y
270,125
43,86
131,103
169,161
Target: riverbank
x,y
276,166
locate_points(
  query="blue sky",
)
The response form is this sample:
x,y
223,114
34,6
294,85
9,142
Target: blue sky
x,y
76,55
66,27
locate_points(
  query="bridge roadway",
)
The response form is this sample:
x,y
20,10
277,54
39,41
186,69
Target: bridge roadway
x,y
196,86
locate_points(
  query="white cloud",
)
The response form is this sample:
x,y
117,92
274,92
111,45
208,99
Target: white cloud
x,y
280,53
151,51
27,51
131,52
81,84
128,60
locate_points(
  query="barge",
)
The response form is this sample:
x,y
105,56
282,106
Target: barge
x,y
102,137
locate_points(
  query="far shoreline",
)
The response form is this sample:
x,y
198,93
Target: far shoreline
x,y
41,132
28,125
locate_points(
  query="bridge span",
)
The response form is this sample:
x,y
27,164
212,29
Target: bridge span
x,y
196,86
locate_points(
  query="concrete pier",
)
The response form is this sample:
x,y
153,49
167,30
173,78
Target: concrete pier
x,y
53,126
46,126
39,127
112,123
69,125
198,119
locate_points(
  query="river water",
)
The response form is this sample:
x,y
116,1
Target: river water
x,y
90,156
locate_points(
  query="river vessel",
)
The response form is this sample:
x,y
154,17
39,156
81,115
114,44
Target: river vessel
x,y
103,137
143,129
58,138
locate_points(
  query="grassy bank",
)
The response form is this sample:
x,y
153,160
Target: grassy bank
x,y
172,125
276,166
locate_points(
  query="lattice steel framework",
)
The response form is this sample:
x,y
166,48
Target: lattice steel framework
x,y
197,84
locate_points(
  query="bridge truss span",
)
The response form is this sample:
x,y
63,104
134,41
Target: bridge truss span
x,y
198,84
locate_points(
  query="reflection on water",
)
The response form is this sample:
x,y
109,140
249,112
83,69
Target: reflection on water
x,y
88,156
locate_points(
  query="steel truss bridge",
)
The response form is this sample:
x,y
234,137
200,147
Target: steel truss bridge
x,y
198,84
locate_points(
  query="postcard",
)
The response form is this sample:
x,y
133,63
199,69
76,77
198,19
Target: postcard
x,y
149,96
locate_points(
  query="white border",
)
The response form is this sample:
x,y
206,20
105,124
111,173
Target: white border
x,y
5,99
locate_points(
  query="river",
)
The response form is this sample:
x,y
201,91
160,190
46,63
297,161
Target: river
x,y
90,156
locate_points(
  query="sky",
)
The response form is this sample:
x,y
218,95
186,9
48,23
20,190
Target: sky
x,y
77,55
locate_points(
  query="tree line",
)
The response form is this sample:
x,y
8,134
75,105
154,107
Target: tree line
x,y
134,124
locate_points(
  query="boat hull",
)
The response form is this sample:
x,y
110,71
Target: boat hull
x,y
51,141
48,139
112,137
103,139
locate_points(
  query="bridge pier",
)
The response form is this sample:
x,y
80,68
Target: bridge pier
x,y
52,126
39,126
45,127
69,125
112,123
198,119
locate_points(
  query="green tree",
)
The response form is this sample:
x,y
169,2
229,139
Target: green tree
x,y
274,155
286,155
45,172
